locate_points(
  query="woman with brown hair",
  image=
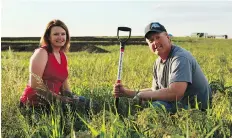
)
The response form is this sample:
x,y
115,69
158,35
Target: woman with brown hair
x,y
48,79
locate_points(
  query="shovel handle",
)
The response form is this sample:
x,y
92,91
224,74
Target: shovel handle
x,y
125,29
122,44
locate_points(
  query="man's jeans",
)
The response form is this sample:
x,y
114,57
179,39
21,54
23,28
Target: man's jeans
x,y
170,107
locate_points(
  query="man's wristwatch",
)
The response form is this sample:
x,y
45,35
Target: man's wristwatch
x,y
137,97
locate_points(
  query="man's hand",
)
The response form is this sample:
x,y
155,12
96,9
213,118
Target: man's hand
x,y
119,90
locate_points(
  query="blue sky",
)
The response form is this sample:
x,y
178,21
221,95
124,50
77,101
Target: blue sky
x,y
28,18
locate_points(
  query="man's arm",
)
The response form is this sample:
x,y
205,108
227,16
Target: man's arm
x,y
174,92
181,75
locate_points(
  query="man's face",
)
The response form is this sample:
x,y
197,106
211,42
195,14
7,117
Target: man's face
x,y
159,43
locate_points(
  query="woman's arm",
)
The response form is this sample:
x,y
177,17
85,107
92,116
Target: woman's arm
x,y
38,62
66,90
66,85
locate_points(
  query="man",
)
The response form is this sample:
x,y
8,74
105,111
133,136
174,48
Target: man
x,y
178,78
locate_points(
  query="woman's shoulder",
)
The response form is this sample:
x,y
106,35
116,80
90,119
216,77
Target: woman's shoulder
x,y
41,50
40,53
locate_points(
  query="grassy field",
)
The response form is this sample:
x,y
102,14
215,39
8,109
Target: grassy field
x,y
93,75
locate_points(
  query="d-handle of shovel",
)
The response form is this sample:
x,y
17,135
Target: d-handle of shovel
x,y
125,29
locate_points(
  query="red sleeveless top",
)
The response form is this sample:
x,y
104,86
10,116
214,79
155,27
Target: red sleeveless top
x,y
53,77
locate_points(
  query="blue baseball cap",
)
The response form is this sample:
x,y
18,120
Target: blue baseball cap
x,y
155,27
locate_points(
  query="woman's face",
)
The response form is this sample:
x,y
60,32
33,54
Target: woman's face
x,y
57,36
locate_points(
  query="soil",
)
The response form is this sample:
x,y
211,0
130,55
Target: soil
x,y
88,48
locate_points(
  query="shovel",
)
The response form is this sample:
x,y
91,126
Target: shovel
x,y
122,48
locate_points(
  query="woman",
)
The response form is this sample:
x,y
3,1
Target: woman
x,y
48,80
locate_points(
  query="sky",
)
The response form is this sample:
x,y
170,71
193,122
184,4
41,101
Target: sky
x,y
28,18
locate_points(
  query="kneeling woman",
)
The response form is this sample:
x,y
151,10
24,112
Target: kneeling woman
x,y
48,80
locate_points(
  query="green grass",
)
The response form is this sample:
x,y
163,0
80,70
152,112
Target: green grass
x,y
93,75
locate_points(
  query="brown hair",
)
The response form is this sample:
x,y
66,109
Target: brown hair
x,y
44,41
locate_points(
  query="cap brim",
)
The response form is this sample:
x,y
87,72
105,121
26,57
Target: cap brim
x,y
152,31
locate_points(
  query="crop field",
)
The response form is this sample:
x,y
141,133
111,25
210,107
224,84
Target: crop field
x,y
92,74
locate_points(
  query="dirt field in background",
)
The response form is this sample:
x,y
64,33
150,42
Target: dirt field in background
x,y
88,44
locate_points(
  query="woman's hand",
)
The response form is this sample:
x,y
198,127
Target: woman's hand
x,y
66,99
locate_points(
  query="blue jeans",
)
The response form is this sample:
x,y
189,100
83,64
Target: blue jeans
x,y
170,107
